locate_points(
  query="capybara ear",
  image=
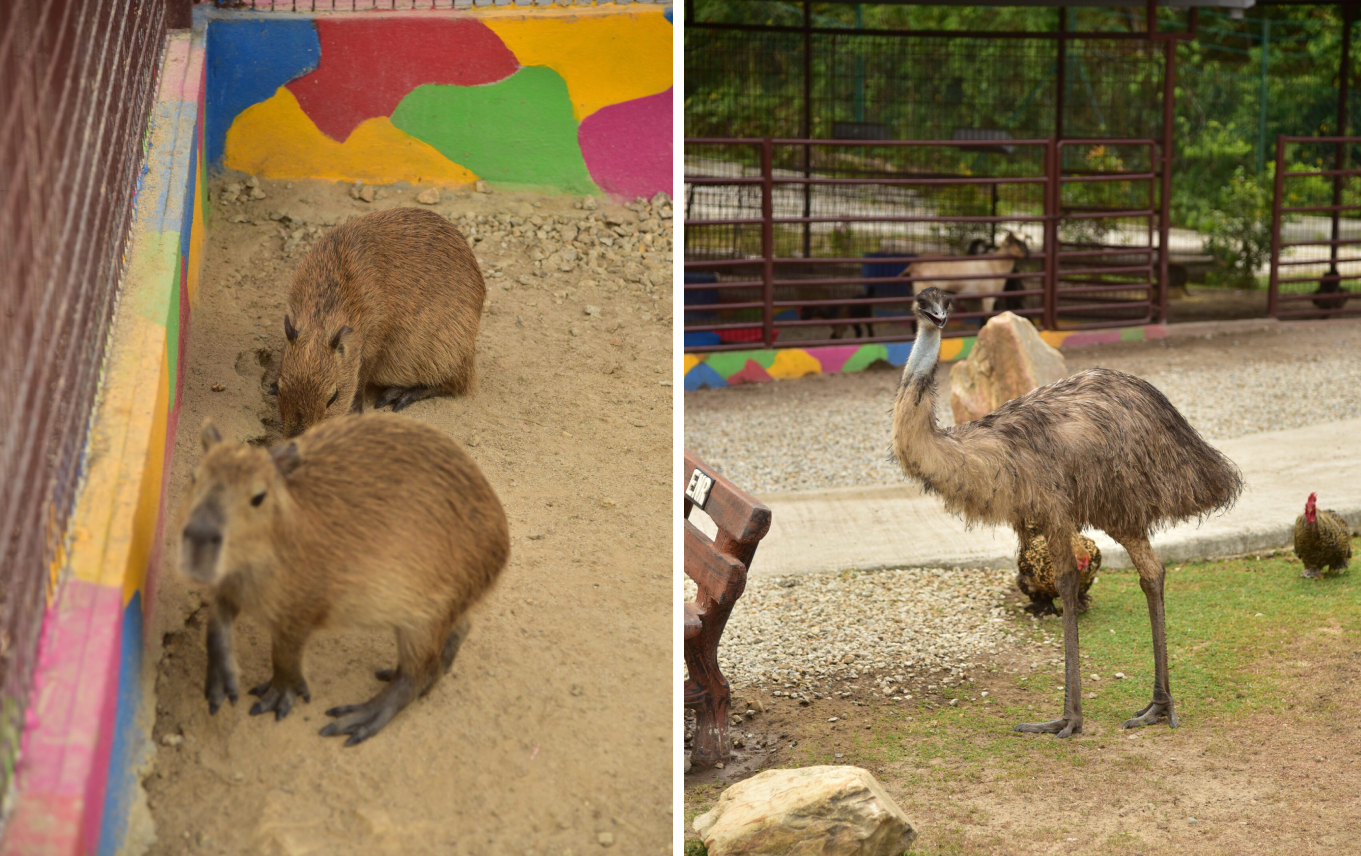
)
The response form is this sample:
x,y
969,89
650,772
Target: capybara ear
x,y
290,332
209,435
338,340
286,458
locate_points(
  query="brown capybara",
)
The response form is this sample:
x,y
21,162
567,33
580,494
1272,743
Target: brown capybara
x,y
392,300
376,521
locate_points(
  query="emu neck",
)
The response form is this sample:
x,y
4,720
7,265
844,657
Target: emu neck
x,y
924,452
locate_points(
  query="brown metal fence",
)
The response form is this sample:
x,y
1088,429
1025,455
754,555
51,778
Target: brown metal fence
x,y
1315,217
76,83
401,5
797,242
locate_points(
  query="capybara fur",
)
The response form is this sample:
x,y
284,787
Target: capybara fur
x,y
376,521
391,300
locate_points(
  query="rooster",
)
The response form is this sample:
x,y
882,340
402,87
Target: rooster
x,y
1322,540
1035,573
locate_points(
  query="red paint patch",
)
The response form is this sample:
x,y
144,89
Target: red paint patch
x,y
752,372
368,66
834,357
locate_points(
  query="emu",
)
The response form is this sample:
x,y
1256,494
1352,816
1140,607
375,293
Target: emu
x,y
1099,449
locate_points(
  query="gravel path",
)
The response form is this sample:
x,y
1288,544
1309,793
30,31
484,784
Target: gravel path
x,y
832,431
816,633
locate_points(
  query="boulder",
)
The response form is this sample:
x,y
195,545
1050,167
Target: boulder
x,y
1008,360
827,811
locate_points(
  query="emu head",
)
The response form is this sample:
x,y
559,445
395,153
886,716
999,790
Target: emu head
x,y
933,305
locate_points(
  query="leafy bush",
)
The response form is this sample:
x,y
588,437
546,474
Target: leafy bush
x,y
1239,236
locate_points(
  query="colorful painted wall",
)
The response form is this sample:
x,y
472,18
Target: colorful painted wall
x,y
729,368
82,739
574,100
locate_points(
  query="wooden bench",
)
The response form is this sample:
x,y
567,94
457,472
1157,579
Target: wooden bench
x,y
719,569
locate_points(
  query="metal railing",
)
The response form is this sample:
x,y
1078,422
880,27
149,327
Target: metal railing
x,y
769,223
1315,284
76,85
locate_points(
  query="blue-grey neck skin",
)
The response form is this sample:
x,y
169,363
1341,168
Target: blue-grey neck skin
x,y
925,352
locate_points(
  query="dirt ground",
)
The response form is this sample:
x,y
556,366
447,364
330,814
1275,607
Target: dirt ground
x,y
1265,760
552,734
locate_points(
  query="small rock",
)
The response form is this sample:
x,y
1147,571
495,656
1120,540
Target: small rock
x,y
217,387
172,740
574,331
252,182
833,718
1191,820
355,188
482,187
473,440
536,536
606,839
592,310
367,193
257,193
1120,676
429,196
844,809
606,502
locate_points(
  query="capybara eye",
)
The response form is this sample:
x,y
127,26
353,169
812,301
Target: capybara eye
x,y
257,499
334,396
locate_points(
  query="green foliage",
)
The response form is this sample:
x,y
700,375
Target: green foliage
x,y
1239,235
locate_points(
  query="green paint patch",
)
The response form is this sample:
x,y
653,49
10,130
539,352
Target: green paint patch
x,y
1132,334
517,132
865,357
729,363
172,330
153,269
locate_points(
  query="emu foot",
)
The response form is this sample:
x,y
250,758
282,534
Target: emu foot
x,y
362,721
1059,727
220,685
1042,607
276,695
1151,713
401,397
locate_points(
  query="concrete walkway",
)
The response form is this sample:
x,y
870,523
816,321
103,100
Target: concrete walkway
x,y
893,527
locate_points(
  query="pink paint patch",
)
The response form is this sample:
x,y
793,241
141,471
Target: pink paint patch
x,y
367,66
1091,337
69,723
627,146
1154,331
752,372
833,358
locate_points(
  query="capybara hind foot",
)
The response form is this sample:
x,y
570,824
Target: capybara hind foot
x,y
278,695
362,721
401,397
452,643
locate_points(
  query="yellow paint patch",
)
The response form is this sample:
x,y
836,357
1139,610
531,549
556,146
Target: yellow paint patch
x,y
1053,338
793,362
149,493
691,361
950,348
605,60
276,139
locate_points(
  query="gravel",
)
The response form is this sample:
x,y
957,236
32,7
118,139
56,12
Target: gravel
x,y
833,432
863,634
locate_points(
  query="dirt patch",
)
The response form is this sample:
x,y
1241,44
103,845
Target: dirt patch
x,y
555,724
1266,759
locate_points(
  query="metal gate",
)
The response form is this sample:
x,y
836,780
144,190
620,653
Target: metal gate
x,y
1311,277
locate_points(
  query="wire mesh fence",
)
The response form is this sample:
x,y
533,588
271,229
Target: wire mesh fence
x,y
76,84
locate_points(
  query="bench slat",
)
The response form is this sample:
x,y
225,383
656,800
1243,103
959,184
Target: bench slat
x,y
714,573
732,509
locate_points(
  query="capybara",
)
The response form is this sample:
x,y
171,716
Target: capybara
x,y
376,521
392,300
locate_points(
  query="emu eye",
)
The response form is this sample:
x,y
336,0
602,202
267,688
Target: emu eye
x,y
334,396
257,499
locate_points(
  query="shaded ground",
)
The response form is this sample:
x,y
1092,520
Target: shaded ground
x,y
1264,667
555,724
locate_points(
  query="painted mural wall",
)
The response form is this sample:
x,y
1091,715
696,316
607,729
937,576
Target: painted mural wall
x,y
729,368
559,100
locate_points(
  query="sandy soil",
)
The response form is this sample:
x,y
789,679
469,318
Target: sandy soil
x,y
554,727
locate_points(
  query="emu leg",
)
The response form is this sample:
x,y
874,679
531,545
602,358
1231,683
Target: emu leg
x,y
1151,578
1066,580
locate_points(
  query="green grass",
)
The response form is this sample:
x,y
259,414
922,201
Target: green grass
x,y
1227,664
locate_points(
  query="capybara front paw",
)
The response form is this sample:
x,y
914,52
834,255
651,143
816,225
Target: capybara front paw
x,y
220,685
278,696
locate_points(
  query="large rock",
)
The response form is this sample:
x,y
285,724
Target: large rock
x,y
811,811
1009,360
